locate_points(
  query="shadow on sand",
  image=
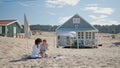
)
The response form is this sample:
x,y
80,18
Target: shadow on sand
x,y
23,59
116,44
75,47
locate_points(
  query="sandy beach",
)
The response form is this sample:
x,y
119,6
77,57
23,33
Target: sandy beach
x,y
13,54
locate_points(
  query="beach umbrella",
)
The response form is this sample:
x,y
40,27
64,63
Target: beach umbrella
x,y
67,33
72,34
27,31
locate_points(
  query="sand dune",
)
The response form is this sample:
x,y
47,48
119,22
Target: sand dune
x,y
13,53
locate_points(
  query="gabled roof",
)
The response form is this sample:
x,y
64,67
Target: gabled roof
x,y
8,22
5,22
82,26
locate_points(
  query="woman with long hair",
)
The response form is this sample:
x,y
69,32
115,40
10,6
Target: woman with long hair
x,y
36,49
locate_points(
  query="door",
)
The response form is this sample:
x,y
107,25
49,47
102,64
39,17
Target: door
x,y
14,31
81,42
0,29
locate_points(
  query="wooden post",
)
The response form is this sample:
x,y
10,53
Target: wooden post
x,y
96,38
92,37
77,40
55,40
84,33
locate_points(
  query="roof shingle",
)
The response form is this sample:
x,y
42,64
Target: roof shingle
x,y
5,22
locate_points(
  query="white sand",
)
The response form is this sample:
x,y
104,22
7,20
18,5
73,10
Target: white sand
x,y
13,50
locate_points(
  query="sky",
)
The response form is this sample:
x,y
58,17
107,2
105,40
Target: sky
x,y
56,12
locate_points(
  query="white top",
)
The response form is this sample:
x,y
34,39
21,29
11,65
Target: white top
x,y
35,52
44,47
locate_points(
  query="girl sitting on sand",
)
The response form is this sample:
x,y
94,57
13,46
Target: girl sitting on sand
x,y
36,49
43,48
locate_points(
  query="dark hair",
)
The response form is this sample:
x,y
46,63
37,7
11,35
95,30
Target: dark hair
x,y
44,40
37,41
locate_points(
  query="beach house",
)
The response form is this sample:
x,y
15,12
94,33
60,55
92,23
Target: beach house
x,y
77,32
10,28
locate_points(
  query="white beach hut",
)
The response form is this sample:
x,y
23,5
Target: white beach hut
x,y
77,32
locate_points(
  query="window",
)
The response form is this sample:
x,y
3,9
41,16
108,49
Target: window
x,y
0,29
80,35
67,37
86,35
58,37
89,35
76,20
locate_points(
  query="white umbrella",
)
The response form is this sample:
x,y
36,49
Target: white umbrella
x,y
72,34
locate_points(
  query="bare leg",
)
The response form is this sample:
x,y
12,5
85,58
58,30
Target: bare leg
x,y
46,56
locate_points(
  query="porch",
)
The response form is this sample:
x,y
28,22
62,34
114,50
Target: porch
x,y
80,39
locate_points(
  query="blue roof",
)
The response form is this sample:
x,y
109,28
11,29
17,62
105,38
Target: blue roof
x,y
70,26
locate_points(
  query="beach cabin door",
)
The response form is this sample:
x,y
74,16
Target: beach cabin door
x,y
14,31
0,29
